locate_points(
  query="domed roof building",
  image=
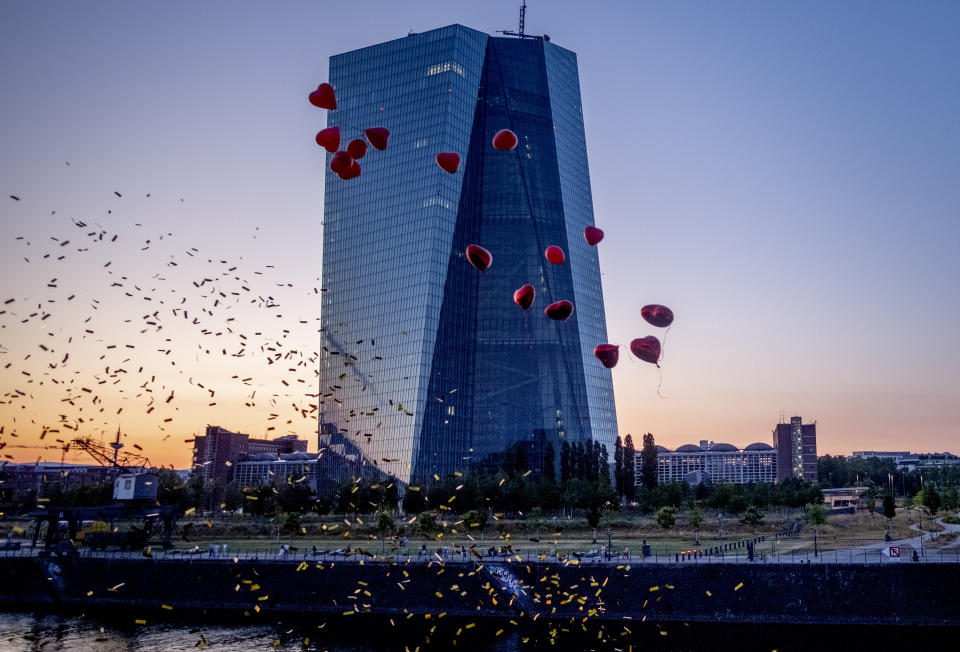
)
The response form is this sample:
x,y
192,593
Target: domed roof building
x,y
721,447
717,462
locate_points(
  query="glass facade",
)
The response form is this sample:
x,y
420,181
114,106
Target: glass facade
x,y
428,366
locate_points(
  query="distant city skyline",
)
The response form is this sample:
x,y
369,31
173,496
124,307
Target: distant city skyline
x,y
782,175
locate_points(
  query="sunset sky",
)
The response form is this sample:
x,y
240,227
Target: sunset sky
x,y
785,176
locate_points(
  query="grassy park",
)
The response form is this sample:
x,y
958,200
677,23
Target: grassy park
x,y
785,531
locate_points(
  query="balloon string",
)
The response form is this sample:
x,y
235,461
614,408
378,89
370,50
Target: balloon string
x,y
344,125
632,358
660,383
663,344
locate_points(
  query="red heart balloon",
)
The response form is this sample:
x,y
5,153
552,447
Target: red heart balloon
x,y
555,255
593,235
559,310
357,148
449,161
378,137
329,139
340,162
324,97
504,140
351,172
657,315
479,257
607,354
646,348
524,296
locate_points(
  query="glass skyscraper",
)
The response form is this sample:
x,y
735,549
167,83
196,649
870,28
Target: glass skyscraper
x,y
428,366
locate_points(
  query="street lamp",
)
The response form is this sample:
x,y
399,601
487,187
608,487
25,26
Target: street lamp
x,y
720,525
609,542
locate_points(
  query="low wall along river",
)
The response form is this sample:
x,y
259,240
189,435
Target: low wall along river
x,y
893,594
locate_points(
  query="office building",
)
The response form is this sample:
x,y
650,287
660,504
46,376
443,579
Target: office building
x,y
906,460
796,444
927,460
266,469
896,456
711,463
428,367
217,450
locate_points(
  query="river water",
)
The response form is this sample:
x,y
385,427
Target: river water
x,y
50,632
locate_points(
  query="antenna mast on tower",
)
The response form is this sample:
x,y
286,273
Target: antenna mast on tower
x,y
521,33
116,446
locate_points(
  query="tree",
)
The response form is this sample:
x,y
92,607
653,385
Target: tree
x,y
171,490
597,497
666,517
549,472
564,462
590,461
232,497
578,461
618,466
722,495
889,510
593,519
475,520
604,465
931,499
753,517
889,506
426,523
413,502
629,467
871,501
811,493
648,459
294,498
384,523
291,523
696,520
816,514
600,462
199,493
739,503
951,499
535,518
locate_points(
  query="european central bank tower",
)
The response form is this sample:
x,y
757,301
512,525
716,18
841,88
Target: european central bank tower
x,y
428,366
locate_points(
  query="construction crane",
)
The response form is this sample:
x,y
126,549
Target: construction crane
x,y
102,454
520,32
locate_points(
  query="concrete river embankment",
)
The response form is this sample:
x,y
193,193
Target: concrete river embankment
x,y
893,594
